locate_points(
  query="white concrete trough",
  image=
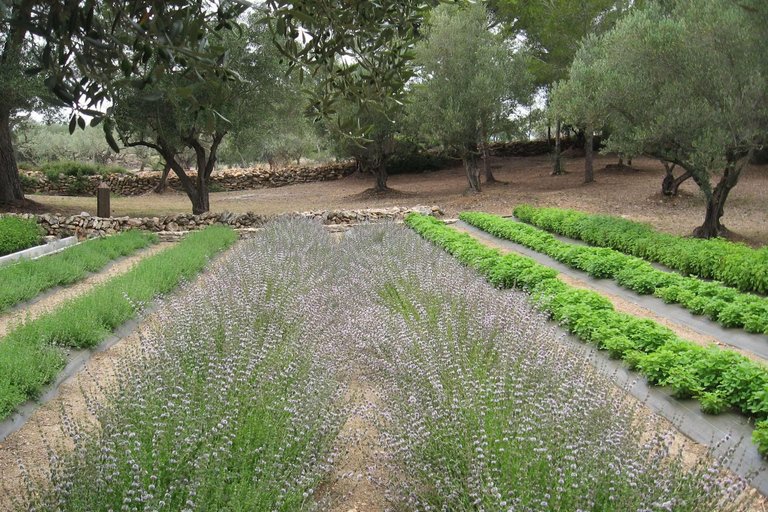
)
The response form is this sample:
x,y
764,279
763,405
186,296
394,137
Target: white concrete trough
x,y
40,250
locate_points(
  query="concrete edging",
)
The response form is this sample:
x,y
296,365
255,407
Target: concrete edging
x,y
38,251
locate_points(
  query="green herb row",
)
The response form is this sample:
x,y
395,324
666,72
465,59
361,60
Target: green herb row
x,y
28,278
30,357
17,234
718,378
732,263
722,304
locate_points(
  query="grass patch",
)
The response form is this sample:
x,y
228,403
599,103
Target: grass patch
x,y
28,278
17,234
30,357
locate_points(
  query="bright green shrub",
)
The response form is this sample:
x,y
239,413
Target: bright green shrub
x,y
733,263
719,378
78,169
17,234
700,297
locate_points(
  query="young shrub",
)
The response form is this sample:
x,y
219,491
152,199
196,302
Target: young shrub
x,y
17,234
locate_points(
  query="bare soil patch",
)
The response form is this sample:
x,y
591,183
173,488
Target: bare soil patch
x,y
631,192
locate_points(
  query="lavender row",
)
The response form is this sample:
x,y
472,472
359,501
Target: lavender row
x,y
236,398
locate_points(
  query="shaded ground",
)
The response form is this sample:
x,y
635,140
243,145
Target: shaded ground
x,y
634,193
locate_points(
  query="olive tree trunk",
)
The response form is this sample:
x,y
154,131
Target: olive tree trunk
x,y
558,169
712,227
670,184
160,188
589,172
10,182
469,159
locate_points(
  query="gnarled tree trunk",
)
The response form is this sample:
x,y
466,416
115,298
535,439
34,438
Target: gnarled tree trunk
x,y
473,171
558,169
489,177
670,184
160,188
379,170
589,172
712,227
10,181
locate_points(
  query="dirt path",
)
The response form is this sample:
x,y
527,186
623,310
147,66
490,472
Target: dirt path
x,y
624,306
632,192
9,320
357,482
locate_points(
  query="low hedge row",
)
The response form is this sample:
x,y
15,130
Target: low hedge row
x,y
732,263
78,169
28,278
719,378
722,304
17,234
29,355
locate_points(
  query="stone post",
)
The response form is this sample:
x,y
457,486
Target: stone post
x,y
102,200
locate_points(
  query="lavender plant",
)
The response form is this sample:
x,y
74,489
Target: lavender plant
x,y
234,399
227,404
489,412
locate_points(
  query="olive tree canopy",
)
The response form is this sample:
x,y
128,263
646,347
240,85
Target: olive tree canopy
x,y
469,79
687,83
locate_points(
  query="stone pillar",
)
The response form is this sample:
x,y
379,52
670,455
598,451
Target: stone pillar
x,y
102,201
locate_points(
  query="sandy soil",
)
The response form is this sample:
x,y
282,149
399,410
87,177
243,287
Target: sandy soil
x,y
635,193
624,306
355,485
51,302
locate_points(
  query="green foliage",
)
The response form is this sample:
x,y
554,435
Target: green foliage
x,y
663,79
732,263
28,278
411,157
469,80
378,37
77,169
722,378
17,234
29,358
28,182
700,297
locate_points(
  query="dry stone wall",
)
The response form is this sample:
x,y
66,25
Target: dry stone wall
x,y
133,184
85,225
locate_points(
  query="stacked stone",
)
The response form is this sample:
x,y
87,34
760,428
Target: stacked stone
x,y
133,184
85,225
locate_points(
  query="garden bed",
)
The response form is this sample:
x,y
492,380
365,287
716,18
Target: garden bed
x,y
238,395
720,379
32,355
720,303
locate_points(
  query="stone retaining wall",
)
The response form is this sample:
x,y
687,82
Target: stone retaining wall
x,y
132,184
527,148
85,225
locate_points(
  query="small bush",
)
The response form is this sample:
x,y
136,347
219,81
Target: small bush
x,y
79,169
411,157
18,234
28,183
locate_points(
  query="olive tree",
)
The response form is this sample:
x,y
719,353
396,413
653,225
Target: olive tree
x,y
469,79
688,84
161,117
84,52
